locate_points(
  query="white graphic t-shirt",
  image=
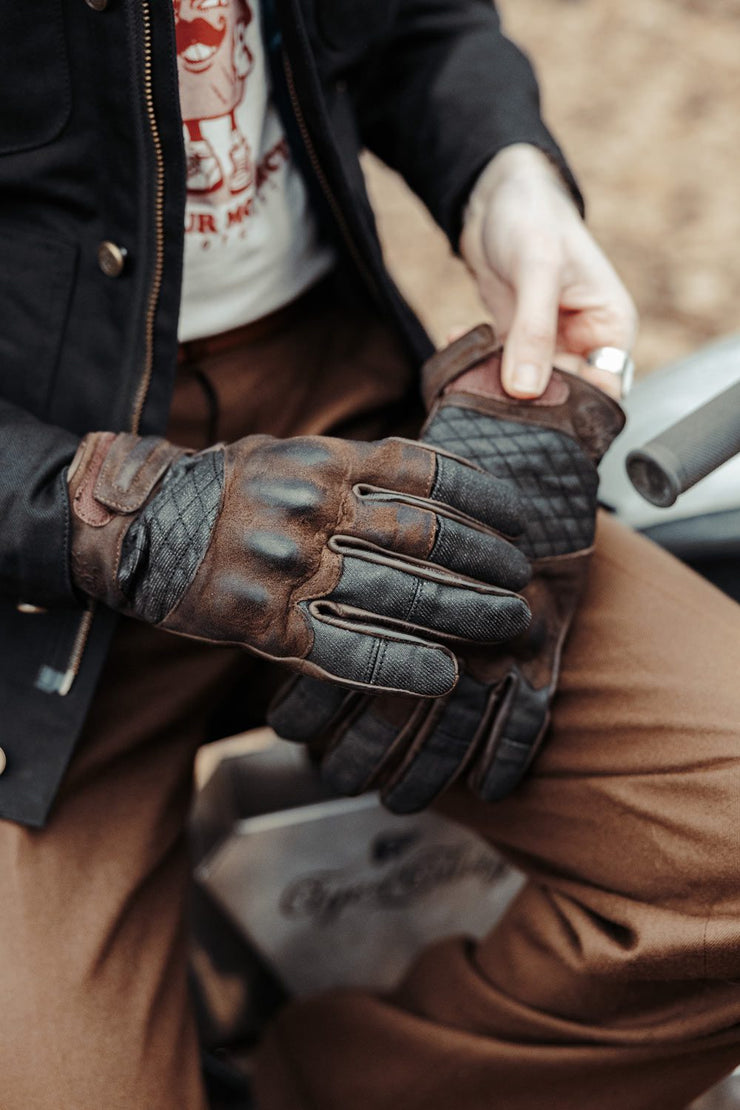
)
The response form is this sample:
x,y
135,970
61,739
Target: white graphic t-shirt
x,y
251,240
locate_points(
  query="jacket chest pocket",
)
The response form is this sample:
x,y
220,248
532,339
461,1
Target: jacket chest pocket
x,y
348,24
35,96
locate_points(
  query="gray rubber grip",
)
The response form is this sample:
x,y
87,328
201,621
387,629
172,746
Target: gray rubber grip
x,y
685,453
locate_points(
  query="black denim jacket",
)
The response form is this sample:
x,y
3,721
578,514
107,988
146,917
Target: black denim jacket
x,y
92,201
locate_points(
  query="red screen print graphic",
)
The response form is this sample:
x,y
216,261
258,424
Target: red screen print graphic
x,y
213,62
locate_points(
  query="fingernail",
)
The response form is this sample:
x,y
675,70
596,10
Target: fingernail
x,y
527,379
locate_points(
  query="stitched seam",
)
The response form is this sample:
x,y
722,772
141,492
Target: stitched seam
x,y
437,541
415,599
379,657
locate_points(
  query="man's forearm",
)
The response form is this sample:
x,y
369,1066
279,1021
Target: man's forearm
x,y
449,92
34,563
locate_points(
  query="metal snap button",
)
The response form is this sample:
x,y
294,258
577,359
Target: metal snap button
x,y
3,761
111,258
97,5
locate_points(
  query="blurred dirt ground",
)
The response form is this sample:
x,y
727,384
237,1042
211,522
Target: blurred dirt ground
x,y
644,97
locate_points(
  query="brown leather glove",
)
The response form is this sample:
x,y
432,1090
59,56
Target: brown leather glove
x,y
490,728
344,560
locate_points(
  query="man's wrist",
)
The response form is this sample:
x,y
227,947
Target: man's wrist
x,y
517,165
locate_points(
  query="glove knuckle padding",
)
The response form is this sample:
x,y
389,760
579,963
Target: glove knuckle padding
x,y
291,496
544,456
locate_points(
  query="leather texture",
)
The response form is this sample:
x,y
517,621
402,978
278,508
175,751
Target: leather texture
x,y
490,727
361,562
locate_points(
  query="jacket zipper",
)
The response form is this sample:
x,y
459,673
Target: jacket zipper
x,y
85,625
78,648
156,284
334,205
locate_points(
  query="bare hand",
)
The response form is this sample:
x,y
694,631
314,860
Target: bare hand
x,y
549,286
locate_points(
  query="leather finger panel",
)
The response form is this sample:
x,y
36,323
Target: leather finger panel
x,y
394,526
397,464
447,539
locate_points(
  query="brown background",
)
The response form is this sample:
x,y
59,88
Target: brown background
x,y
645,97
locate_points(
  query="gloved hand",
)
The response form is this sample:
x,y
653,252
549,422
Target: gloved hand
x,y
490,727
344,560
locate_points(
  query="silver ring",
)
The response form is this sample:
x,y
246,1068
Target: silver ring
x,y
614,360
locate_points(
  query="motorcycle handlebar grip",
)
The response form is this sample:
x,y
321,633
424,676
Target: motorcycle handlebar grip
x,y
685,453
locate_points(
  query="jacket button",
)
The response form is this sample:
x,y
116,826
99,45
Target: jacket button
x,y
3,761
111,258
97,5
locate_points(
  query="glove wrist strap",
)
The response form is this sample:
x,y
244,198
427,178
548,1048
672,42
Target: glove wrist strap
x,y
110,479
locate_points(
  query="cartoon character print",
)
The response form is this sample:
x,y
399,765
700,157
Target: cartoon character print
x,y
213,61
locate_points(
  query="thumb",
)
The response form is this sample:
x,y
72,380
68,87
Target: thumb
x,y
529,349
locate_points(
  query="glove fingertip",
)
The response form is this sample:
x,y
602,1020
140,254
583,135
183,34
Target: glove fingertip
x,y
306,709
432,671
426,670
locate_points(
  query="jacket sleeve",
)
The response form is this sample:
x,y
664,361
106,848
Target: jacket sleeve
x,y
442,95
34,509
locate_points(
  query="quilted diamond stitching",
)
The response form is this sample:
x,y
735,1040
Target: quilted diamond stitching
x,y
164,547
549,469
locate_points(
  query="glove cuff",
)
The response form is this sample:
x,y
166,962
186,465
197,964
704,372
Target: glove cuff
x,y
110,479
468,374
448,364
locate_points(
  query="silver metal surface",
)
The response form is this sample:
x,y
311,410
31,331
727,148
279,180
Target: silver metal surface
x,y
614,360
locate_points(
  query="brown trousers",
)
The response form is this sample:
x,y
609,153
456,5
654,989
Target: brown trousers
x,y
612,980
